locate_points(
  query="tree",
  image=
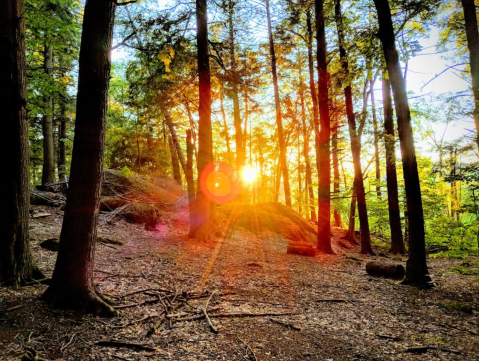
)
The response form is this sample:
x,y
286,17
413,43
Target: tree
x,y
279,120
416,267
355,141
323,151
16,263
203,206
397,242
472,36
72,281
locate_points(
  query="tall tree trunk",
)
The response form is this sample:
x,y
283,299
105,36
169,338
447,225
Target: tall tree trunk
x,y
416,267
190,182
240,147
174,138
397,242
335,154
376,142
16,263
324,151
472,37
48,173
355,142
309,180
277,183
204,207
227,134
279,116
175,164
62,136
72,281
352,218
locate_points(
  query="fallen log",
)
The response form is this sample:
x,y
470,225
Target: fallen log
x,y
40,198
302,251
387,270
299,244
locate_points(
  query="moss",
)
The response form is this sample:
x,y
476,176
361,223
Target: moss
x,y
465,307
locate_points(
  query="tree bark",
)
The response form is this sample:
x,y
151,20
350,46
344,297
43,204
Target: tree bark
x,y
397,242
376,142
324,151
72,281
190,182
174,138
355,141
416,267
175,164
204,207
335,152
240,147
352,218
227,134
279,116
48,173
472,37
16,263
62,136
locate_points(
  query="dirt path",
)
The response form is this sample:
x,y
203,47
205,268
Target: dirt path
x,y
335,311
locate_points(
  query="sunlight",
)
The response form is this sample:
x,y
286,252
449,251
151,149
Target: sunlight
x,y
248,174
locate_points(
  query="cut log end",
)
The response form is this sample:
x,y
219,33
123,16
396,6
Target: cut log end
x,y
387,270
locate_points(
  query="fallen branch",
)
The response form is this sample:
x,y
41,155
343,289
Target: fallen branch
x,y
213,328
237,314
133,346
424,349
287,325
332,300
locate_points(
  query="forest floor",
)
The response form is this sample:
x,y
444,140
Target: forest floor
x,y
264,303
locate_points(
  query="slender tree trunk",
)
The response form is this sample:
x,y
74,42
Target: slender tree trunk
x,y
72,282
335,154
190,182
416,268
300,180
175,164
48,173
309,180
227,134
352,219
245,132
397,242
279,116
355,142
472,37
174,138
204,207
62,136
324,150
376,142
277,183
16,263
240,147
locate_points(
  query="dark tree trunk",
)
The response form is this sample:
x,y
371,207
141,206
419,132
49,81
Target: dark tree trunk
x,y
190,182
204,208
335,154
174,138
227,134
352,219
397,243
472,36
16,264
279,116
376,142
62,135
309,180
324,151
48,173
72,282
355,142
416,268
175,164
240,144
312,89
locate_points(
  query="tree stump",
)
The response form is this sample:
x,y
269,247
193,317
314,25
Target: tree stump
x,y
387,270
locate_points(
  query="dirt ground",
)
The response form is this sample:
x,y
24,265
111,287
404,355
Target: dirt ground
x,y
264,304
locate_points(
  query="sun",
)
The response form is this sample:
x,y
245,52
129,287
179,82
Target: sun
x,y
248,174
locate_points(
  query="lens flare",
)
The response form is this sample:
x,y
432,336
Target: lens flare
x,y
218,183
248,174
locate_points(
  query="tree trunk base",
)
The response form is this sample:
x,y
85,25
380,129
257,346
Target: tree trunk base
x,y
88,302
397,250
387,270
423,282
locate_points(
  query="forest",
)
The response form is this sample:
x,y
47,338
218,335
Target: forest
x,y
239,180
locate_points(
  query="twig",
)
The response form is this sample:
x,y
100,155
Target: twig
x,y
238,314
213,328
133,346
332,300
288,325
249,348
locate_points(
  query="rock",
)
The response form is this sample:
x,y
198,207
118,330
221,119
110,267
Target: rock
x,y
51,244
